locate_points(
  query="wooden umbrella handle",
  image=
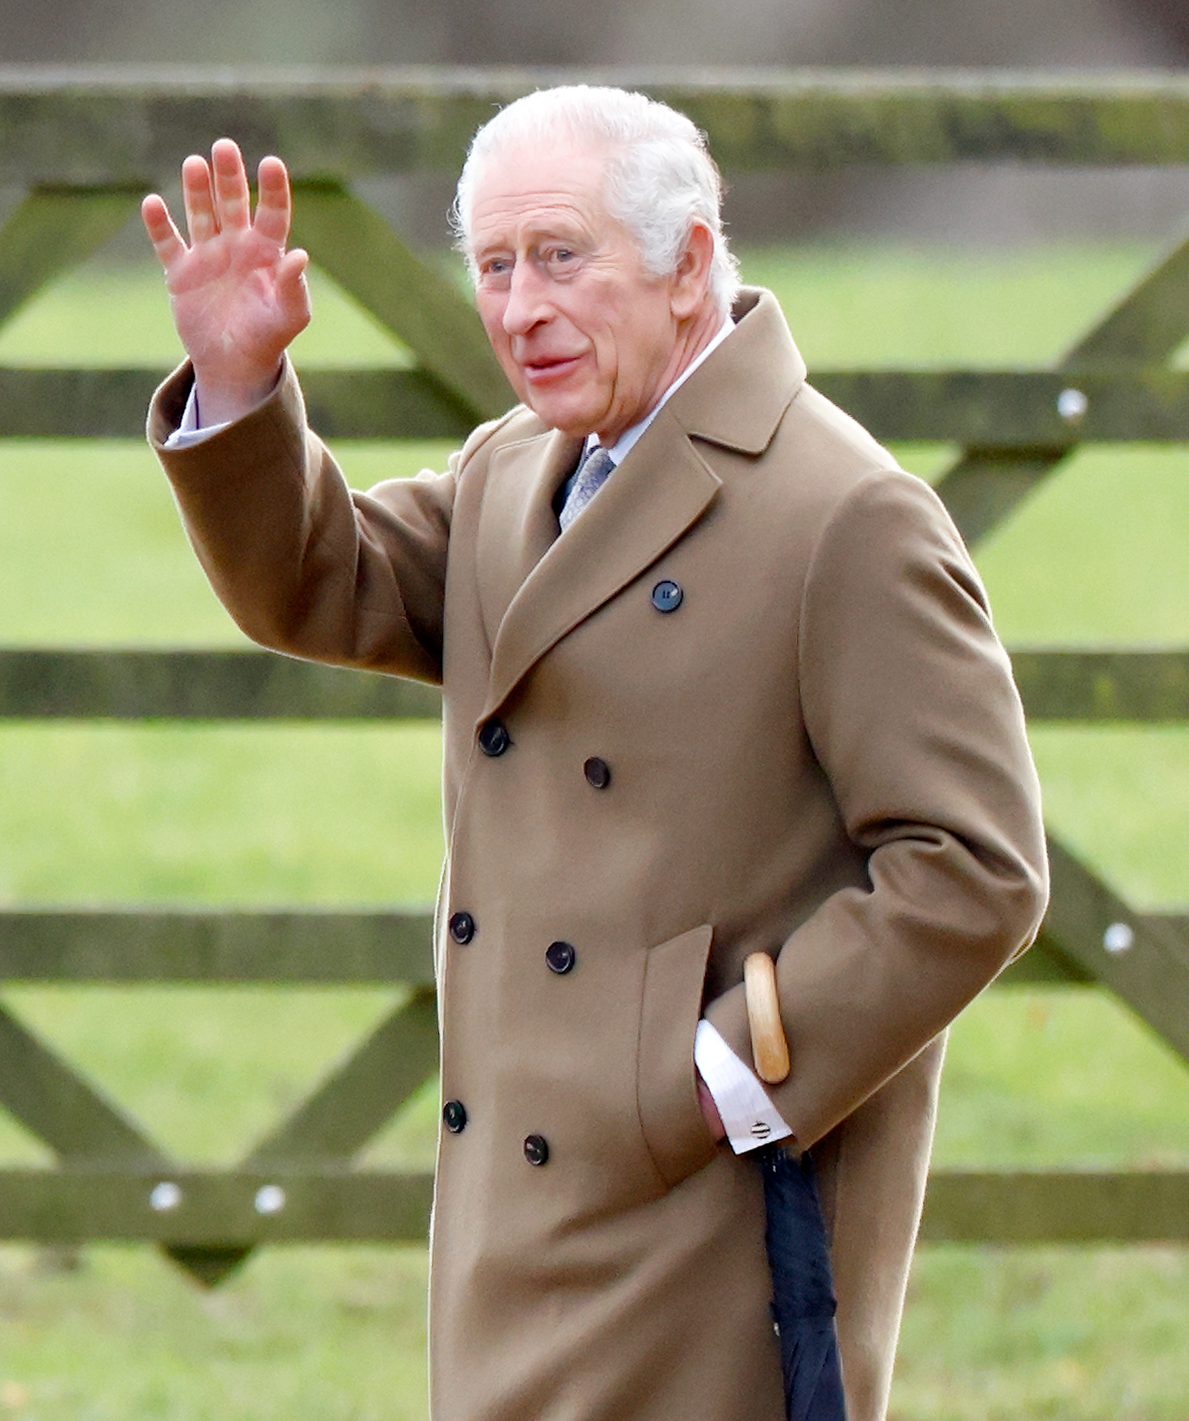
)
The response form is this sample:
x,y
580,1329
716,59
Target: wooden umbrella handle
x,y
769,1047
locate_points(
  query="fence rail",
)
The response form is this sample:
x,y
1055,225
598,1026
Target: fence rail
x,y
1002,409
119,126
83,145
1056,684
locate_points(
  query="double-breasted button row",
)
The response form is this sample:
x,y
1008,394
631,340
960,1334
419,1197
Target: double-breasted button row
x,y
462,928
560,957
667,595
454,1117
597,772
493,737
536,1149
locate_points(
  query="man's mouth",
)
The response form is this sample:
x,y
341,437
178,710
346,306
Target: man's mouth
x,y
545,369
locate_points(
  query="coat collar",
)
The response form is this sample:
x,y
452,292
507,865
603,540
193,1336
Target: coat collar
x,y
738,398
536,587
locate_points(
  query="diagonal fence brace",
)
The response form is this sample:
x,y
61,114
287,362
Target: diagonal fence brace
x,y
1144,328
340,1117
52,230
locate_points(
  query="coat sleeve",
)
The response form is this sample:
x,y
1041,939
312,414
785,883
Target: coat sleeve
x,y
912,713
303,564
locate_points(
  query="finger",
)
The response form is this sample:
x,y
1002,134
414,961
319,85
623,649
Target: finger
x,y
198,200
165,237
274,204
293,266
232,199
293,293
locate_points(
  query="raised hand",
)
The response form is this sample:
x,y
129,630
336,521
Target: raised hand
x,y
238,297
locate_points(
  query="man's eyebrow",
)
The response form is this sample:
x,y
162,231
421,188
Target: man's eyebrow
x,y
532,240
482,249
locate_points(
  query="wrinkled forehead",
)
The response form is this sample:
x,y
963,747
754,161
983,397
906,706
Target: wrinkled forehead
x,y
530,172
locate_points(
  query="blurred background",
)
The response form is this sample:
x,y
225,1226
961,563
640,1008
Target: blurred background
x,y
1005,33
999,265
996,203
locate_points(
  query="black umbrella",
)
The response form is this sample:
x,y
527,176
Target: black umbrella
x,y
803,1302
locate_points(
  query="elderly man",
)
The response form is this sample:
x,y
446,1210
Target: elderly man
x,y
729,687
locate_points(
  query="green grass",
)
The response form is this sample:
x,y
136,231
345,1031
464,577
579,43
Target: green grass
x,y
91,554
318,1335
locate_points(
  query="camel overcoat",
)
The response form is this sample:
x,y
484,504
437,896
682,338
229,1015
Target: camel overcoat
x,y
752,699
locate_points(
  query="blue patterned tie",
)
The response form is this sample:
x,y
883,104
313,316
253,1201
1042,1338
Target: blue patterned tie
x,y
590,476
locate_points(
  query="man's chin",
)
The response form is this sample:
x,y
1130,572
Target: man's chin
x,y
561,415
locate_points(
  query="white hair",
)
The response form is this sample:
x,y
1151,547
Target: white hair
x,y
660,177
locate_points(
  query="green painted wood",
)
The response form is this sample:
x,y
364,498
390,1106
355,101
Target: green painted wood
x,y
1056,1207
42,683
242,1208
137,945
363,1093
824,118
986,484
1175,925
95,130
343,1113
1011,412
52,230
1103,686
386,404
82,1127
111,403
983,487
134,124
203,946
352,242
1044,965
1141,961
75,404
1146,324
136,684
63,1110
221,1211
208,1264
72,1117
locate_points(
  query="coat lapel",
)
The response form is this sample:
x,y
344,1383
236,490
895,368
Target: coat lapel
x,y
535,586
659,490
517,524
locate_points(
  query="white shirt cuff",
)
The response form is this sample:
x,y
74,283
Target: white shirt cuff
x,y
190,432
747,1113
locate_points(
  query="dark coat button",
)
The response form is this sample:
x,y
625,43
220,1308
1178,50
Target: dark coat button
x,y
455,1116
462,928
536,1149
597,772
667,595
560,956
493,737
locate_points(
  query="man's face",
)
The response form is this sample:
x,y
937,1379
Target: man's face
x,y
587,338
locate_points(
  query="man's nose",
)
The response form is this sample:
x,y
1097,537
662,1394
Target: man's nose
x,y
526,306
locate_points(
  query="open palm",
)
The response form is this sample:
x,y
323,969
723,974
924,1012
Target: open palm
x,y
238,297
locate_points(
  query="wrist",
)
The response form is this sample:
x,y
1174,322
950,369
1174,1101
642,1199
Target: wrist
x,y
710,1110
222,400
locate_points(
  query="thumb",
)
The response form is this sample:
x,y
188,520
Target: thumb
x,y
293,291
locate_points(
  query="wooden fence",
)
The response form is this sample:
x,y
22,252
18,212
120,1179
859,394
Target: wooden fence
x,y
84,147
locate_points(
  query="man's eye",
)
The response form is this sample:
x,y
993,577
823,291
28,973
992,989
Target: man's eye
x,y
561,254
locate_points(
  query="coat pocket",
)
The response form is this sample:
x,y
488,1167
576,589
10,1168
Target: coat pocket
x,y
666,1083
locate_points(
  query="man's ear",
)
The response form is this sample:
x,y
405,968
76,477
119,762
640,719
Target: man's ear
x,y
691,279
